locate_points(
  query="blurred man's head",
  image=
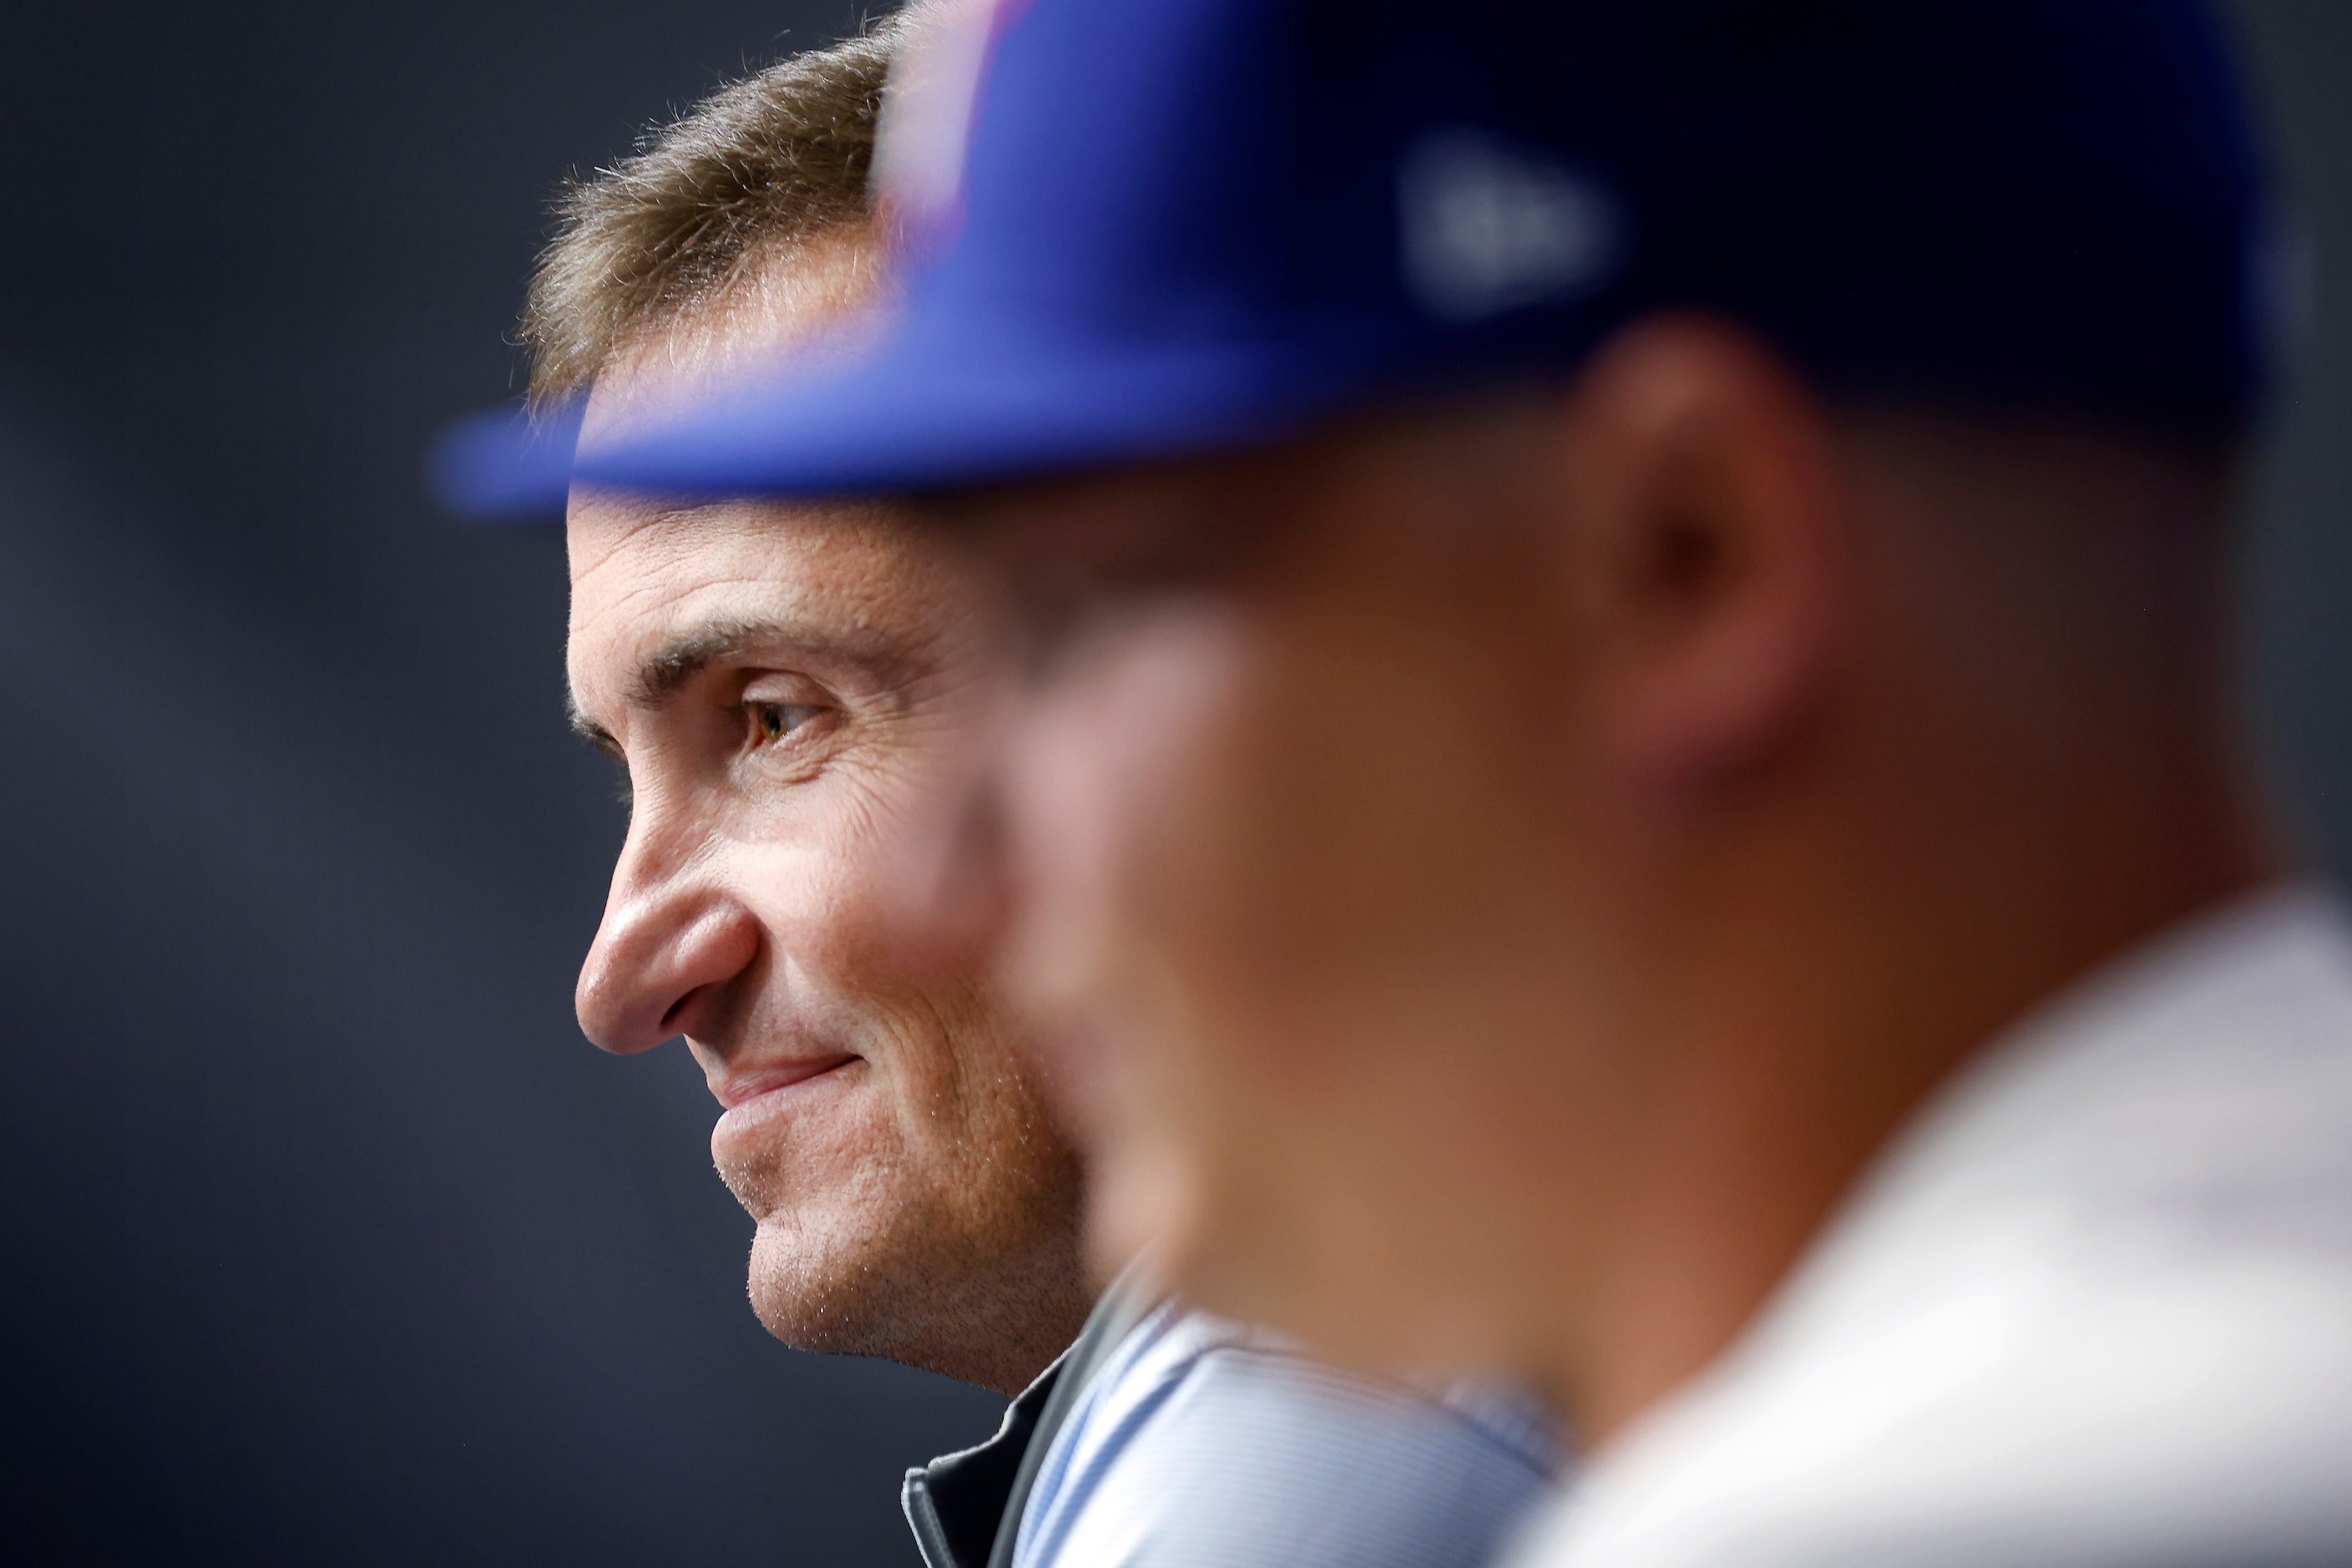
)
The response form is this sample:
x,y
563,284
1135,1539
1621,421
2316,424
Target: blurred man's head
x,y
781,684
1516,855
1519,862
1686,594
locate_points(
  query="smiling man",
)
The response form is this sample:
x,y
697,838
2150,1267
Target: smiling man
x,y
790,688
776,686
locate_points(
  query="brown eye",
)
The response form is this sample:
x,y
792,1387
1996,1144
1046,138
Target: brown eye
x,y
773,721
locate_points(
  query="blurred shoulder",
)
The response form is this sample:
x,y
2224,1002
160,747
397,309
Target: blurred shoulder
x,y
2094,1307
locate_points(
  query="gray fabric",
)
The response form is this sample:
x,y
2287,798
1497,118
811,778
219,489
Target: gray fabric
x,y
1124,1305
963,1504
1202,1443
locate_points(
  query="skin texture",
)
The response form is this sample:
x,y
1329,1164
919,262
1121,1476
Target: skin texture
x,y
1495,876
786,687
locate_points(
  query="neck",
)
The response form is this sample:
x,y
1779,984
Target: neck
x,y
1864,942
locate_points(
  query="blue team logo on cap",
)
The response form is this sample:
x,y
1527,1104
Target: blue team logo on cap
x,y
1487,226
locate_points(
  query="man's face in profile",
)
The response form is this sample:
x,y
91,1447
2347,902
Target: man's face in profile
x,y
784,687
1290,803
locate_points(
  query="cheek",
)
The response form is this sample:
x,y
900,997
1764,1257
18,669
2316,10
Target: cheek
x,y
1355,824
1345,891
846,970
841,956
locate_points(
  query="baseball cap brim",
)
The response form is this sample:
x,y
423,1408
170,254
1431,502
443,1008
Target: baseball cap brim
x,y
506,465
929,411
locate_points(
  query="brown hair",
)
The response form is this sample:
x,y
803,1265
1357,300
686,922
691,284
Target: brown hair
x,y
775,159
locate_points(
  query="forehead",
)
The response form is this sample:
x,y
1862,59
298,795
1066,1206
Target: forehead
x,y
644,571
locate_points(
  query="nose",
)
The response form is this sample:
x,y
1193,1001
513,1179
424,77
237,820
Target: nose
x,y
671,948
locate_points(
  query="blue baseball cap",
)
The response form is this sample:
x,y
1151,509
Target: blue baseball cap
x,y
1141,228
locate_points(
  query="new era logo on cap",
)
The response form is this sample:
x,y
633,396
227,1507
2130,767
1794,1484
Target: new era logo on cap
x,y
1488,227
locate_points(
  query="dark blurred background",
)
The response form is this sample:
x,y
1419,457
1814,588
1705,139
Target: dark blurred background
x,y
328,1238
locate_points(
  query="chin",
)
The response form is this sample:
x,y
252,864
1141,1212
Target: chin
x,y
824,1282
872,1241
989,1306
816,1289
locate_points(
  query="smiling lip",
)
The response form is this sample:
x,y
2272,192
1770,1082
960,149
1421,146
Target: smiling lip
x,y
735,1090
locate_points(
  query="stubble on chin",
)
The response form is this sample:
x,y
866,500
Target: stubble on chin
x,y
961,1259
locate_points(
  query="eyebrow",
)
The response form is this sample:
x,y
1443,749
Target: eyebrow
x,y
669,669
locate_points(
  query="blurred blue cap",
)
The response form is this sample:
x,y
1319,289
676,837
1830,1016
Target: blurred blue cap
x,y
506,464
1151,228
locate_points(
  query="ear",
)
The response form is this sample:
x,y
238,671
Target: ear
x,y
1700,484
